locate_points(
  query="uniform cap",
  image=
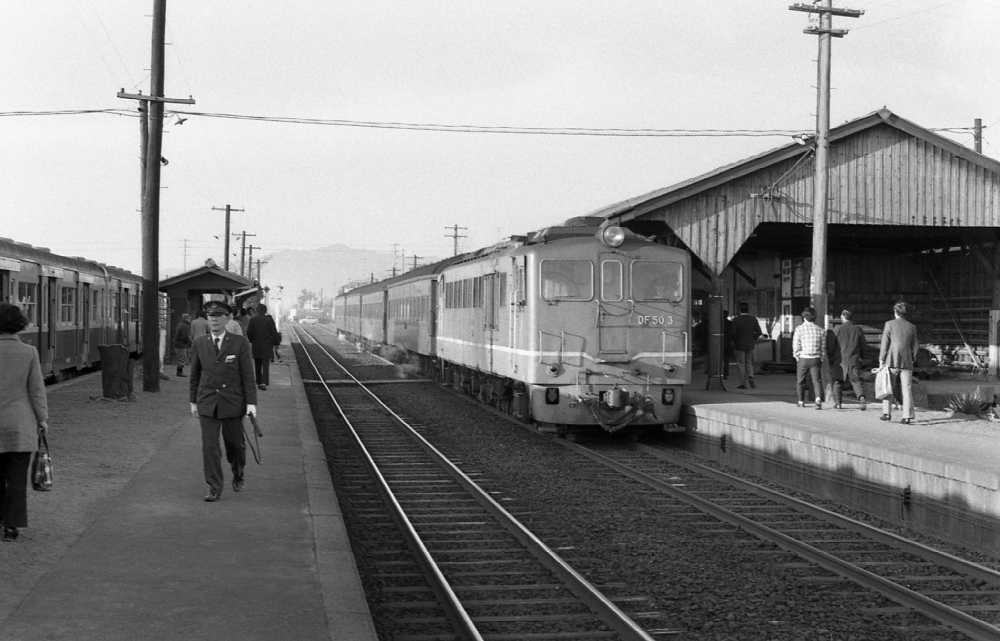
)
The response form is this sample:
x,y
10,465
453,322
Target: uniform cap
x,y
218,306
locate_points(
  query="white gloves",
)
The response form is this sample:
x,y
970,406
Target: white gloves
x,y
252,410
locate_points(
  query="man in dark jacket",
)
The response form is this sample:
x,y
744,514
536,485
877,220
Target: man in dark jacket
x,y
853,350
745,332
182,343
221,392
263,335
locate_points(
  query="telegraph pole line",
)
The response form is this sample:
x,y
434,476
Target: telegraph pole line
x,y
228,209
152,108
243,251
415,259
977,129
454,234
250,265
825,31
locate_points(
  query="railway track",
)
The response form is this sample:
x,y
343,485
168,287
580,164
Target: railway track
x,y
958,595
473,571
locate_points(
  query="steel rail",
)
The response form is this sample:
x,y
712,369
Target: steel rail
x,y
456,612
575,582
968,625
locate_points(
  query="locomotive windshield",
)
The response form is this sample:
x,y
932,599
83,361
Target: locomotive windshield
x,y
657,281
567,280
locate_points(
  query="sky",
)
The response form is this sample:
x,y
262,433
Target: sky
x,y
281,90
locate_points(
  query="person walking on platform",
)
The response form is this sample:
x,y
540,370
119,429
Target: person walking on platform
x,y
199,326
898,352
263,335
746,331
182,343
24,415
728,349
853,350
808,346
834,358
221,392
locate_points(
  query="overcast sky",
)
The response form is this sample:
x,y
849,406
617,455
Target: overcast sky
x,y
71,182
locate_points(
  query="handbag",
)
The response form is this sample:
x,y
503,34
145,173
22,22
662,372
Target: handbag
x,y
888,386
41,467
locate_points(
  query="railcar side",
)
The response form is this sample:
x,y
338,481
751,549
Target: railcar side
x,y
72,305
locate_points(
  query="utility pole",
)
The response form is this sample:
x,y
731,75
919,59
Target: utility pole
x,y
259,279
185,254
978,134
250,265
243,251
454,234
225,262
415,259
153,106
825,31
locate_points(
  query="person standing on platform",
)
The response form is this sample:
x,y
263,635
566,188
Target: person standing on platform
x,y
808,346
221,392
746,331
834,358
199,326
24,416
898,352
243,319
182,343
727,343
263,335
853,350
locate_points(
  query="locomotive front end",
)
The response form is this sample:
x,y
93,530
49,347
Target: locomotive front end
x,y
613,333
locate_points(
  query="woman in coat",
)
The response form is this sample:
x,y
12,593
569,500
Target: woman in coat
x,y
24,415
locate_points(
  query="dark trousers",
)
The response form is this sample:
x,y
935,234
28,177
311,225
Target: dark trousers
x,y
14,488
211,453
262,370
853,373
804,368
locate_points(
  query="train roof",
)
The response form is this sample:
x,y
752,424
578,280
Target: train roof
x,y
577,227
44,256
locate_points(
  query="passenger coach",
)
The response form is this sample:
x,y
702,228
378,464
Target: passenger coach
x,y
73,305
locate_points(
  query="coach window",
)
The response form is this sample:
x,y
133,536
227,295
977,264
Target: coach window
x,y
67,305
27,298
567,280
611,280
657,281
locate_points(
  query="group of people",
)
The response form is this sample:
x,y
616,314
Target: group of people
x,y
230,361
844,348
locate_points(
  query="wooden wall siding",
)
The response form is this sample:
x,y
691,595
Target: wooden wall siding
x,y
880,176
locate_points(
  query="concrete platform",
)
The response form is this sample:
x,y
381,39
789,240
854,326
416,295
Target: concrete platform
x,y
270,562
938,475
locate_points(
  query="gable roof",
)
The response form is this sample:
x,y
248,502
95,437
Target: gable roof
x,y
208,277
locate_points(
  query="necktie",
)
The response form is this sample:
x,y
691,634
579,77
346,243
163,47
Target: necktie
x,y
218,344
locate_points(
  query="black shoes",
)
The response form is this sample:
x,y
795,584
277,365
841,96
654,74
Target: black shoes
x,y
181,373
741,387
10,534
213,496
906,421
864,405
237,484
885,417
751,382
262,387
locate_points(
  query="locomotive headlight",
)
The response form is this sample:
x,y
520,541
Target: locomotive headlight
x,y
612,235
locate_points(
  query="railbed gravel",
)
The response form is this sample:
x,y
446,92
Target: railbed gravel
x,y
710,579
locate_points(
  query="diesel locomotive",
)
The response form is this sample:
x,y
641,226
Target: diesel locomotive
x,y
582,324
73,305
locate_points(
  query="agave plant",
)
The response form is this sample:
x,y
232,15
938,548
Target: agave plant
x,y
969,403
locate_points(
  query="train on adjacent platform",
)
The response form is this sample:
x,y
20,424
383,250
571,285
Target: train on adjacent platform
x,y
73,306
582,324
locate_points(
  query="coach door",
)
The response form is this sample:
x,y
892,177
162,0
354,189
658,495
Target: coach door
x,y
614,310
51,312
83,323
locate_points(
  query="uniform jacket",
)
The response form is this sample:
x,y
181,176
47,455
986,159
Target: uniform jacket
x,y
746,330
22,395
899,344
853,347
223,382
263,335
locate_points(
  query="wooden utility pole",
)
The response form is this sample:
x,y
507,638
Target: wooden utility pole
x,y
825,31
228,209
978,134
415,259
454,234
152,122
250,265
243,252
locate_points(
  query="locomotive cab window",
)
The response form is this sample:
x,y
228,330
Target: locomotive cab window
x,y
611,280
657,281
567,280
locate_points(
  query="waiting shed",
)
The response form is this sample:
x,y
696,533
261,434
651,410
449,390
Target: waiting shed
x,y
912,216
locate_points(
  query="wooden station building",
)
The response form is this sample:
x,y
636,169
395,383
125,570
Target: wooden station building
x,y
912,216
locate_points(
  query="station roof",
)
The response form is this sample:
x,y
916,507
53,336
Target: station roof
x,y
890,180
209,278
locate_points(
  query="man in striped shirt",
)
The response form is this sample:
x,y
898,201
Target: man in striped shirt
x,y
808,346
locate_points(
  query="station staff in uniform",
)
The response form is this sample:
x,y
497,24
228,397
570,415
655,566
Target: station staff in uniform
x,y
222,391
